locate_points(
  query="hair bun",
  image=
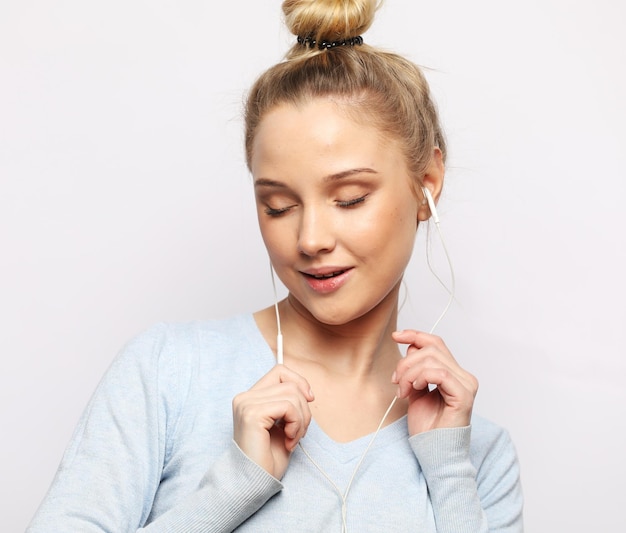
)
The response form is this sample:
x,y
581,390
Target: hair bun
x,y
329,20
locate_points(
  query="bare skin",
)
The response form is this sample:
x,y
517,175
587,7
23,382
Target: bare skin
x,y
338,215
351,393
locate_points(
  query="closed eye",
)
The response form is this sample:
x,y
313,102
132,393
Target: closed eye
x,y
273,212
352,202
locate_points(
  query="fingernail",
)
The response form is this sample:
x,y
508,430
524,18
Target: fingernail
x,y
393,377
311,394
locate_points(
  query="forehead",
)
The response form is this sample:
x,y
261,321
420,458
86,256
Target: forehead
x,y
318,113
318,132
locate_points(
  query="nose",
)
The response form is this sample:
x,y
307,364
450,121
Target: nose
x,y
316,234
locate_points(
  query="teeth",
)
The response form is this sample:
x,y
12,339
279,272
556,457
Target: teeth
x,y
326,276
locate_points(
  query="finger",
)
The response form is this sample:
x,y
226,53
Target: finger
x,y
254,418
282,374
292,427
295,428
417,356
414,376
433,357
420,374
423,345
419,340
255,404
456,392
412,336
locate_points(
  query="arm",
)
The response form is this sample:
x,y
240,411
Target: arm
x,y
441,397
234,489
472,488
269,420
113,465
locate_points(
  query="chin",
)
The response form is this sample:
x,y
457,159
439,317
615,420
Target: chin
x,y
337,317
339,312
324,314
334,320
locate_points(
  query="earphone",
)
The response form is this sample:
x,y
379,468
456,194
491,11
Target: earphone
x,y
431,204
451,290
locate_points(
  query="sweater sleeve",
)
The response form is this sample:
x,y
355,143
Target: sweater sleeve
x,y
231,491
112,467
474,488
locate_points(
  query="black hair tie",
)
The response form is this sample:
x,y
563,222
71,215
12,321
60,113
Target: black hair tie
x,y
325,45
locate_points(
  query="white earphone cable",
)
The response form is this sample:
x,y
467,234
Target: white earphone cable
x,y
344,496
451,291
280,358
279,334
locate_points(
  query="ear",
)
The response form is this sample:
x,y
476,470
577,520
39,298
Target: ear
x,y
433,180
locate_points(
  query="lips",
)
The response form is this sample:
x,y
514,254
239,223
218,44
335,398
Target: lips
x,y
326,276
328,279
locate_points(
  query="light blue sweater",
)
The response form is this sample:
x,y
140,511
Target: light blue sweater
x,y
154,452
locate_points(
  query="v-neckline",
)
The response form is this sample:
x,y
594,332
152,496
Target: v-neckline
x,y
316,437
317,441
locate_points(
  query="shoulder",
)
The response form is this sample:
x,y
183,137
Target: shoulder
x,y
176,352
197,330
180,339
183,352
190,367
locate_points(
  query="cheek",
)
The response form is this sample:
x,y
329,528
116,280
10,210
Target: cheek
x,y
266,232
399,231
276,241
400,222
387,240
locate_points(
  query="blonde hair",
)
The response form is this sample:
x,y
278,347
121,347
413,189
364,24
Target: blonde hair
x,y
380,87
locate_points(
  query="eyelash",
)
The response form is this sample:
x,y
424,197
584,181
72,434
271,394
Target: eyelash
x,y
272,212
276,212
353,202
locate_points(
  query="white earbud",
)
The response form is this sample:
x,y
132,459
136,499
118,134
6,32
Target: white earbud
x,y
451,290
431,204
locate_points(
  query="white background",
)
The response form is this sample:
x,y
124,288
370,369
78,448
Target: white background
x,y
124,200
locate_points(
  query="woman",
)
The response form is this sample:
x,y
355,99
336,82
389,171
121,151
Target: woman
x,y
346,432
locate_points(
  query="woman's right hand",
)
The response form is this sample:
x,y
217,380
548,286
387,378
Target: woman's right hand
x,y
272,417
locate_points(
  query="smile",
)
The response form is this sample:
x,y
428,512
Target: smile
x,y
325,282
326,276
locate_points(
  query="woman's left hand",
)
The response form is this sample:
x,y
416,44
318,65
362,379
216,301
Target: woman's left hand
x,y
428,361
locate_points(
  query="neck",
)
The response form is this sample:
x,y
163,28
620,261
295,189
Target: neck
x,y
359,349
348,365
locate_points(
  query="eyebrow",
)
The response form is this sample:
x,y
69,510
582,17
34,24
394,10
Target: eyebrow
x,y
266,182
